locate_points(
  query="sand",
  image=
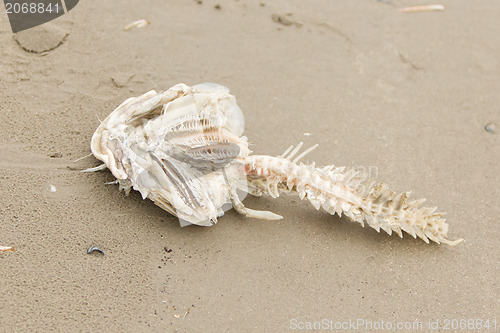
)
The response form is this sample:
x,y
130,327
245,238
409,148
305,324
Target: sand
x,y
408,94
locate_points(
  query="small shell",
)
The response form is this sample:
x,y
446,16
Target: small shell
x,y
491,128
138,24
425,8
6,249
94,248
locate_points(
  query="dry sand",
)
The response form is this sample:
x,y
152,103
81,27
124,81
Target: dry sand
x,y
408,93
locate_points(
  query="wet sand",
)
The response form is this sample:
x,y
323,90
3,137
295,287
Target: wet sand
x,y
407,94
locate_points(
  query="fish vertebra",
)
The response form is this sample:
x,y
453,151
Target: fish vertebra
x,y
184,150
